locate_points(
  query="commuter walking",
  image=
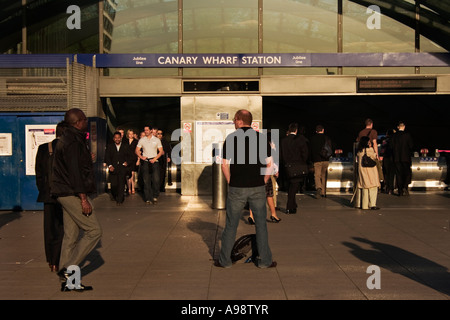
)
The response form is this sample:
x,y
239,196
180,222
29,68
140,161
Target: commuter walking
x,y
402,147
131,142
368,180
149,150
321,151
117,158
53,213
165,160
294,155
246,166
72,183
387,158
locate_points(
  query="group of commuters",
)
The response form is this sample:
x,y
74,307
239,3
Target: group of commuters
x,y
65,179
391,165
146,158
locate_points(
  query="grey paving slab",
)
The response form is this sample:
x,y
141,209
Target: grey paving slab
x,y
166,251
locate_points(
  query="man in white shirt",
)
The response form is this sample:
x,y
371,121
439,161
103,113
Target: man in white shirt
x,y
149,149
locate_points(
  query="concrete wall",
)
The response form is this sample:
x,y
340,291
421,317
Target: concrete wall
x,y
196,177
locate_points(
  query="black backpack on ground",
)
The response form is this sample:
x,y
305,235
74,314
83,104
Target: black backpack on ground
x,y
245,247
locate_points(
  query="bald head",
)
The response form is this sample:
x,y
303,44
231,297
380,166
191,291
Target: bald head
x,y
76,118
245,116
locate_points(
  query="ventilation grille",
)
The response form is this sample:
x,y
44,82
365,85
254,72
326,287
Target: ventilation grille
x,y
33,90
49,89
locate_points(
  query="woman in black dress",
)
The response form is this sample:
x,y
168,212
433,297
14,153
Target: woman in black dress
x,y
132,143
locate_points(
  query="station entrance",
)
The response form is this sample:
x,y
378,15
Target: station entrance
x,y
342,116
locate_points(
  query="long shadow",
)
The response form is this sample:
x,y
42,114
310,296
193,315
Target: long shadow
x,y
403,262
8,217
344,201
93,261
208,231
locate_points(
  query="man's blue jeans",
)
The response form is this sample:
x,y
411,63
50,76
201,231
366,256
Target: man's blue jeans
x,y
150,175
236,200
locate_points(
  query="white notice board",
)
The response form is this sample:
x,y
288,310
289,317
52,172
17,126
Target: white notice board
x,y
35,135
207,133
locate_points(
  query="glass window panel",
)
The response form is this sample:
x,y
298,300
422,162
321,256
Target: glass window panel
x,y
217,26
434,29
299,26
146,26
391,29
52,35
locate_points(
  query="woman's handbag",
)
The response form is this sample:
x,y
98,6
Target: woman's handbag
x,y
296,169
367,162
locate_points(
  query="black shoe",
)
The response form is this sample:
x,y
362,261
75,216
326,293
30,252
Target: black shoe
x,y
63,275
275,219
272,265
81,288
251,221
291,211
217,264
374,208
318,192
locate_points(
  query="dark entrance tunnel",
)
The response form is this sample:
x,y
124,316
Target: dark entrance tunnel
x,y
426,117
136,112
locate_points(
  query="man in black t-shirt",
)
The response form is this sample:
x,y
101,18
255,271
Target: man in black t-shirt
x,y
246,165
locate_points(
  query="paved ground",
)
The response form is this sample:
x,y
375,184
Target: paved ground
x,y
165,252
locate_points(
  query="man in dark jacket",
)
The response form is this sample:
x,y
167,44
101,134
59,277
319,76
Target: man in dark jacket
x,y
117,158
294,154
321,152
53,214
402,146
72,182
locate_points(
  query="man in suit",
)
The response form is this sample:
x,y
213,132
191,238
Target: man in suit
x,y
117,157
53,213
294,151
402,146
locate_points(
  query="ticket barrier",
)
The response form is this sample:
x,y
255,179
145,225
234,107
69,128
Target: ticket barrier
x,y
428,173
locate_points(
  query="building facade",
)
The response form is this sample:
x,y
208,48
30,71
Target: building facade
x,y
188,65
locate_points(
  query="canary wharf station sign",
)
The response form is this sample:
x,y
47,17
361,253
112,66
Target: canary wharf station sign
x,y
268,60
202,60
238,60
